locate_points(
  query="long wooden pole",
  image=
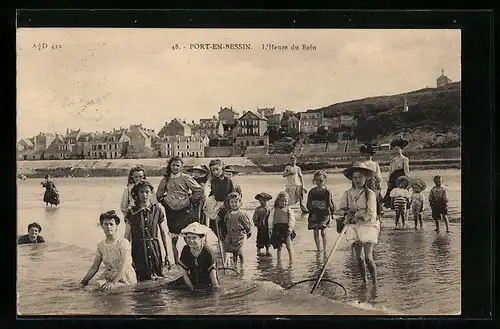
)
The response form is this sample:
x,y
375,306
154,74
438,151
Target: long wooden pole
x,y
335,246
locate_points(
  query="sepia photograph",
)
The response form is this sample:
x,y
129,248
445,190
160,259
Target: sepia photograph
x,y
177,171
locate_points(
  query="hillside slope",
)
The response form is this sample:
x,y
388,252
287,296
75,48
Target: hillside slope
x,y
433,119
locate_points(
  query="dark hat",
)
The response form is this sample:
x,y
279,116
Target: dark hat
x,y
418,182
357,166
367,149
35,224
403,178
230,169
399,142
264,196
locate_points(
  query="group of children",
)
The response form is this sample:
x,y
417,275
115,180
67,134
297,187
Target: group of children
x,y
403,200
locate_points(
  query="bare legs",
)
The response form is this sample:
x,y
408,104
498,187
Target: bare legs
x,y
364,255
400,214
316,238
417,218
289,248
174,249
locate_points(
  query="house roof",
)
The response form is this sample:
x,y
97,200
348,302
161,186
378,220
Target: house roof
x,y
251,113
180,138
293,118
100,137
227,108
73,134
27,142
82,136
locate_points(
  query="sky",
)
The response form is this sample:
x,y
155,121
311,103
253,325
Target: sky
x,y
97,79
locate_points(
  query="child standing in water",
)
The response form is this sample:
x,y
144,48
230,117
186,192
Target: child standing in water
x,y
145,222
400,198
179,193
200,175
260,218
320,206
438,199
417,201
135,175
238,227
281,225
215,206
114,252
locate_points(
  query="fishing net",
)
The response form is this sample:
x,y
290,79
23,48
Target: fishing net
x,y
325,288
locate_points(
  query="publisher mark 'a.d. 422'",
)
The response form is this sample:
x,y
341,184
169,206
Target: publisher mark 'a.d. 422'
x,y
44,46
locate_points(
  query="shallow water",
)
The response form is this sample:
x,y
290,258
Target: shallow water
x,y
418,272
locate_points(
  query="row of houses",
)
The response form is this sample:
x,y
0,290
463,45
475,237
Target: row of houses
x,y
176,137
134,142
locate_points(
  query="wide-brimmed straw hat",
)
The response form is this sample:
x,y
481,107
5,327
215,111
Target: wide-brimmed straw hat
x,y
230,169
403,178
195,228
199,168
357,166
367,149
418,182
264,196
399,142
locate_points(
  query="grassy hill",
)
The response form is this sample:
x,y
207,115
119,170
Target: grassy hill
x,y
433,119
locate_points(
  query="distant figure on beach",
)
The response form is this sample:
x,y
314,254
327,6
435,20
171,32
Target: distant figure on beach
x,y
135,175
239,229
216,205
51,194
282,225
260,220
145,224
33,235
400,198
399,166
374,183
115,253
200,175
438,200
197,261
417,201
179,193
295,184
359,205
321,207
23,177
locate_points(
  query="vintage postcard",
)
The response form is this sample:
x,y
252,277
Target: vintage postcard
x,y
238,171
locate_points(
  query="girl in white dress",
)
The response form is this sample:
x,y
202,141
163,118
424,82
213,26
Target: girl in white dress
x,y
359,205
135,175
116,255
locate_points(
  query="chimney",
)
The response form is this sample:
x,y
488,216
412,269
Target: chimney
x,y
192,121
67,131
153,131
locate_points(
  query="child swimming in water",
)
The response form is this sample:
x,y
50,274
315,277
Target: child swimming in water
x,y
438,199
33,235
115,253
238,227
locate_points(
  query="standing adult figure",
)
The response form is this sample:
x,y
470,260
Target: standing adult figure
x,y
374,182
51,194
399,166
295,184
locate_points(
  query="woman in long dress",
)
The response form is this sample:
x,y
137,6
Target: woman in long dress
x,y
295,184
359,205
399,166
51,194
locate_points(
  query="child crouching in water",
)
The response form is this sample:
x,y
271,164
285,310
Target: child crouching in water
x,y
238,228
260,218
438,199
115,253
320,206
400,198
417,201
281,225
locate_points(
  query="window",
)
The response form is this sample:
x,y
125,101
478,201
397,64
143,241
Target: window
x,y
168,152
178,147
178,153
116,154
168,145
187,146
